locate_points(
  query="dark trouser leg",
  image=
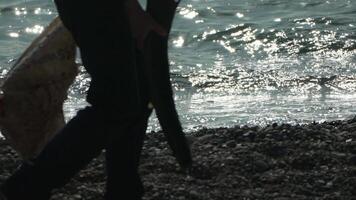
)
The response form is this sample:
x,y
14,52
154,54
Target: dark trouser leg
x,y
72,148
122,156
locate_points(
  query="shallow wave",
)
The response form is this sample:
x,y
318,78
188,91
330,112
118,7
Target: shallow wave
x,y
271,81
292,40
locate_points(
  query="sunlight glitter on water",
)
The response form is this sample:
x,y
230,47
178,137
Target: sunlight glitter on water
x,y
36,29
234,61
14,35
20,11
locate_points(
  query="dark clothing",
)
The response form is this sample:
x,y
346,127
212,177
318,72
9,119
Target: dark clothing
x,y
116,120
82,139
101,30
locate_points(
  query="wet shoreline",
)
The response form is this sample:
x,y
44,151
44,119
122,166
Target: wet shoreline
x,y
279,161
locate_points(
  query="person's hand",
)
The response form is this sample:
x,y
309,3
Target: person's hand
x,y
185,163
181,147
141,23
185,160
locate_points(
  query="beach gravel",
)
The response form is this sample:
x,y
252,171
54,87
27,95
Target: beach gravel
x,y
278,161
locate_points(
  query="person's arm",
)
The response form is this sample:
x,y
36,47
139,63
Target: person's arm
x,y
158,74
141,23
150,29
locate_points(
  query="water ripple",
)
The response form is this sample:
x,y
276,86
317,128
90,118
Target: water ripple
x,y
235,61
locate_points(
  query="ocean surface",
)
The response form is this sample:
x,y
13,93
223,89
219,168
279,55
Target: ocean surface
x,y
234,62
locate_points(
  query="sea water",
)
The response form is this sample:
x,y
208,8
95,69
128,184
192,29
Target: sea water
x,y
234,62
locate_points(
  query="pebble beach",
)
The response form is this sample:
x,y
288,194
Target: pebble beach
x,y
278,161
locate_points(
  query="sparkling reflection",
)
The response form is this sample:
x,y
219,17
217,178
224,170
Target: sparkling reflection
x,y
237,62
20,11
14,35
178,42
37,29
188,12
240,15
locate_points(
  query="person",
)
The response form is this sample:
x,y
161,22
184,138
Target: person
x,y
117,44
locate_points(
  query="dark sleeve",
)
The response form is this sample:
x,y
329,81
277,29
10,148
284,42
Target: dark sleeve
x,y
74,12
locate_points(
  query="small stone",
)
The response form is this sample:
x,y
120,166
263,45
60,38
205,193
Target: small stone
x,y
250,134
329,184
303,162
352,160
261,166
231,144
194,193
205,138
277,151
247,134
